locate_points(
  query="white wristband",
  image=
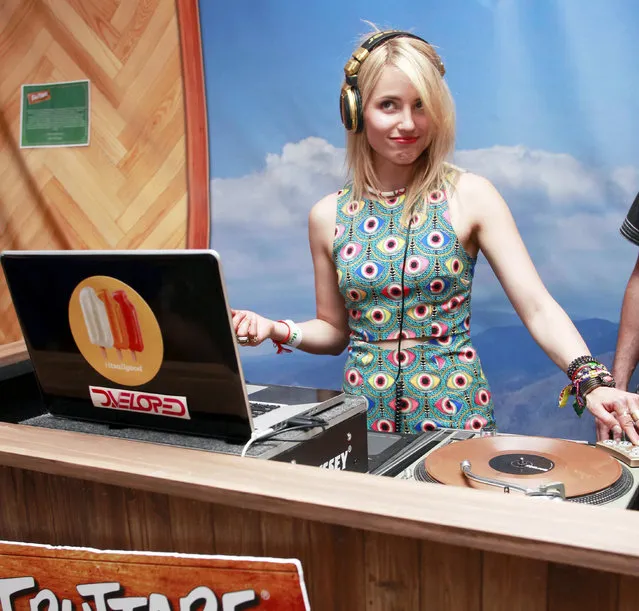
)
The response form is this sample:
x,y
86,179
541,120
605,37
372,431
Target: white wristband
x,y
295,334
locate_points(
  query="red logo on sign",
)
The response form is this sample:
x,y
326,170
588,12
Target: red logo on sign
x,y
38,96
140,402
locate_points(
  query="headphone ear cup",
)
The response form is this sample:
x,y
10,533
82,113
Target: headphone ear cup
x,y
348,108
344,109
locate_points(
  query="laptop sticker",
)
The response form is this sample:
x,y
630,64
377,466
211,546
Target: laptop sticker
x,y
141,402
115,330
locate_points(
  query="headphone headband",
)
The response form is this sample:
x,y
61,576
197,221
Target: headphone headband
x,y
353,65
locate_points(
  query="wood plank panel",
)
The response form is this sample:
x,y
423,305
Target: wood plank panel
x,y
345,568
15,352
507,578
105,516
338,566
443,569
572,588
76,225
149,521
392,572
12,513
129,188
195,535
34,65
628,593
66,14
567,533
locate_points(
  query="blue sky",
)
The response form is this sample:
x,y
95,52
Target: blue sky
x,y
547,94
557,75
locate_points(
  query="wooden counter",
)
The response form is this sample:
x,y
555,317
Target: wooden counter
x,y
15,352
365,542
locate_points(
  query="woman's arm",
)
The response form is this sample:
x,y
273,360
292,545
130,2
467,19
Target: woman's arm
x,y
501,243
499,239
328,332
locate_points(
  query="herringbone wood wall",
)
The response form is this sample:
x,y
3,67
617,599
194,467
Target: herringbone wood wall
x,y
128,188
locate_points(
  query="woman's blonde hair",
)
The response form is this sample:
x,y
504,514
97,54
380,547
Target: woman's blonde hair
x,y
418,61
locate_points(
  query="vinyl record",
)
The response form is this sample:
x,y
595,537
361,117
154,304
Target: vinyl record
x,y
525,461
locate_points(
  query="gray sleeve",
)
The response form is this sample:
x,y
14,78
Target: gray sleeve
x,y
630,227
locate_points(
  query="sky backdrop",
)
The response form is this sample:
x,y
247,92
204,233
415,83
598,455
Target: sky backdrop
x,y
546,94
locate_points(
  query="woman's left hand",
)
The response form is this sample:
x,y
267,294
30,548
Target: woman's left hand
x,y
614,410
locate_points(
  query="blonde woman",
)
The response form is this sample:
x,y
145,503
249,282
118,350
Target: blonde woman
x,y
394,253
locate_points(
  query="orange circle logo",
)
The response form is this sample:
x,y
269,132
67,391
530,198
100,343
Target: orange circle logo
x,y
115,330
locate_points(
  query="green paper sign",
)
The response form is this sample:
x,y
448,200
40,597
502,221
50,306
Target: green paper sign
x,y
55,114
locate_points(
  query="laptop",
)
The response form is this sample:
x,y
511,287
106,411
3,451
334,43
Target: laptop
x,y
144,339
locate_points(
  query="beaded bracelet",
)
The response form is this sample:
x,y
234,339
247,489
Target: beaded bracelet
x,y
582,360
586,374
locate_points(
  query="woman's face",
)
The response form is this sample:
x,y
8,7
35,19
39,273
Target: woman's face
x,y
395,122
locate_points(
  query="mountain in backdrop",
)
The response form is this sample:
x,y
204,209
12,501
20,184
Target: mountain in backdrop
x,y
511,357
524,381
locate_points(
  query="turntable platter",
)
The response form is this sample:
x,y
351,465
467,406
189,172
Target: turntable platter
x,y
525,461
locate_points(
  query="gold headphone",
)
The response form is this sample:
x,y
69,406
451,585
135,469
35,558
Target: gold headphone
x,y
350,101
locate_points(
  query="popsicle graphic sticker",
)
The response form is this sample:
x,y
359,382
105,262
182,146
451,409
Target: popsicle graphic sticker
x,y
115,318
131,322
96,320
115,330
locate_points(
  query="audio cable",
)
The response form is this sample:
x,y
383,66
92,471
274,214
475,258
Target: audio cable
x,y
295,423
399,380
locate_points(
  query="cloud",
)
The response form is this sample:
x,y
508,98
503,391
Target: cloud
x,y
628,179
558,181
569,216
282,194
567,212
260,227
560,177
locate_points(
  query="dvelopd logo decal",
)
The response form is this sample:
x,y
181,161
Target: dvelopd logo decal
x,y
140,402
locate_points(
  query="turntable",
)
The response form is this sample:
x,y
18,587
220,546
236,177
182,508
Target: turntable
x,y
552,469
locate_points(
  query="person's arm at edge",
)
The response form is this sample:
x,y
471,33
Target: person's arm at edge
x,y
627,350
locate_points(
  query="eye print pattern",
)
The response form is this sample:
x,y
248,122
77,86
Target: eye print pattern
x,y
443,381
390,245
372,225
375,255
350,251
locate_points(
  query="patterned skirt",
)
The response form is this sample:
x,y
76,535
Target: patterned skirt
x,y
444,385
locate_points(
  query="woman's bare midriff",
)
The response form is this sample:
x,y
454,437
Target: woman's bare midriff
x,y
391,344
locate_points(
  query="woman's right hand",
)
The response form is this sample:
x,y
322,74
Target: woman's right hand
x,y
250,328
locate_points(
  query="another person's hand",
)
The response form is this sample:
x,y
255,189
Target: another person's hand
x,y
250,328
616,411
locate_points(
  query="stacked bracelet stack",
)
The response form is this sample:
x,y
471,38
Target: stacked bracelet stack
x,y
293,338
586,373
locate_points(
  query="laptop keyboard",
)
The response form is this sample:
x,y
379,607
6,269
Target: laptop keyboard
x,y
259,408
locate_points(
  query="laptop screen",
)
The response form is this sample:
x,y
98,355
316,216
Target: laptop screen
x,y
127,337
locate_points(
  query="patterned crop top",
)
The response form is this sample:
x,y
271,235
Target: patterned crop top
x,y
368,250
